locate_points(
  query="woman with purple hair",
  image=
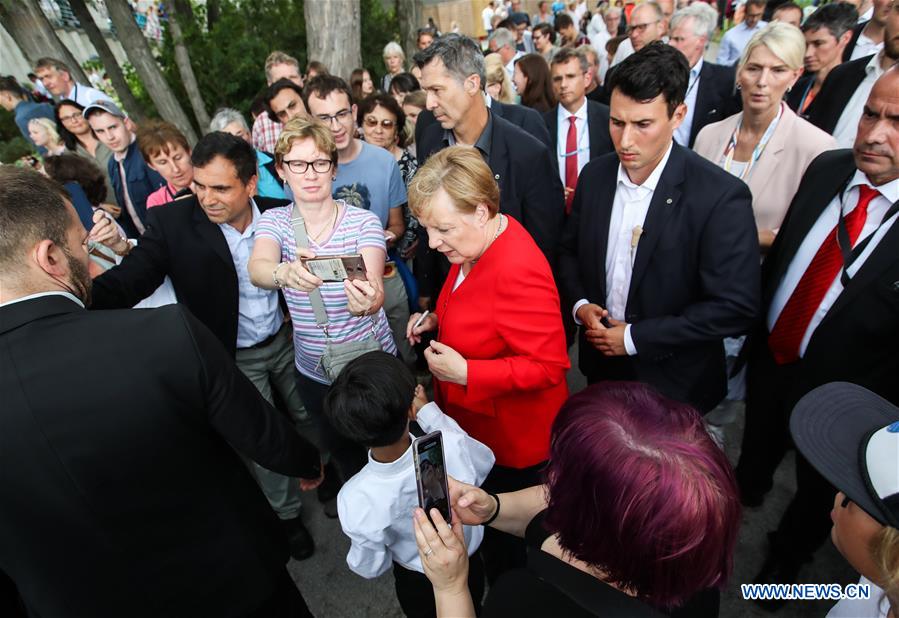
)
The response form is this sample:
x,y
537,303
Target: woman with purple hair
x,y
638,517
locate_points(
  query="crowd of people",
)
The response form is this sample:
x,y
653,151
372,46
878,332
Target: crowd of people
x,y
583,183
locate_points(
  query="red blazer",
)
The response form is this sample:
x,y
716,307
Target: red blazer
x,y
505,320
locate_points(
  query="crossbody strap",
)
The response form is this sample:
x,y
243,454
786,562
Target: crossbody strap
x,y
302,240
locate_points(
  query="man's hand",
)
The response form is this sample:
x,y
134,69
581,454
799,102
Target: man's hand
x,y
446,364
609,341
419,401
591,316
107,233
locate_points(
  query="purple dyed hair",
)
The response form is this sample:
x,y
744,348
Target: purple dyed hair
x,y
639,490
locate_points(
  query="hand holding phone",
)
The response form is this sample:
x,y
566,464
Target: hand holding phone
x,y
430,475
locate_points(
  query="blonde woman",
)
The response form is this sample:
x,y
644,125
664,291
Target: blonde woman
x,y
499,86
766,145
394,61
42,132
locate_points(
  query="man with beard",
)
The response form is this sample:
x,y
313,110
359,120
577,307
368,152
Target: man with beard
x,y
103,412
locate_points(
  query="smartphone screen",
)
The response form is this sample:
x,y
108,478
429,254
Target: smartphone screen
x,y
430,475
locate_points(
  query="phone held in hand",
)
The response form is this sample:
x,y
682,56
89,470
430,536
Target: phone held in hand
x,y
430,475
336,268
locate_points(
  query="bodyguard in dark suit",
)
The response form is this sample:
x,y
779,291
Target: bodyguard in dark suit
x,y
837,90
530,190
827,316
578,127
103,413
524,117
659,259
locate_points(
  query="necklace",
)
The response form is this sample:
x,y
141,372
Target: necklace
x,y
499,228
325,227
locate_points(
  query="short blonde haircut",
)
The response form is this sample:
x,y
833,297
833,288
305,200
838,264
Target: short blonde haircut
x,y
495,73
783,40
463,174
305,128
50,127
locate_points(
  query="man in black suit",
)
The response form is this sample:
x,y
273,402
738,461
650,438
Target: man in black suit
x,y
710,91
579,128
103,413
867,36
838,106
530,191
519,115
659,259
827,316
203,244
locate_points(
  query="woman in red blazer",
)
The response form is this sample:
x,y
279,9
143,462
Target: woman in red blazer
x,y
499,360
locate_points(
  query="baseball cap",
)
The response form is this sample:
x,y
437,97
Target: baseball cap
x,y
105,105
851,436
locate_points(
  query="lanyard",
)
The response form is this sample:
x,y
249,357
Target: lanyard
x,y
850,254
756,152
580,141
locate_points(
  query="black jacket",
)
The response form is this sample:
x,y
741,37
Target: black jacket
x,y
836,91
519,115
695,276
184,244
122,491
716,98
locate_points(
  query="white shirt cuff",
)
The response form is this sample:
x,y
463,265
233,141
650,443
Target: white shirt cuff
x,y
577,306
629,341
428,415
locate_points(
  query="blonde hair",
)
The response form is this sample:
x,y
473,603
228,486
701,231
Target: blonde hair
x,y
495,73
461,172
885,551
278,57
783,40
49,126
305,128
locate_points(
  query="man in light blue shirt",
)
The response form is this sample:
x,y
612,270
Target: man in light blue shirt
x,y
734,40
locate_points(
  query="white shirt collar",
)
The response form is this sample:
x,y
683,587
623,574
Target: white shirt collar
x,y
251,228
889,190
580,114
68,295
488,100
394,468
694,72
874,65
653,179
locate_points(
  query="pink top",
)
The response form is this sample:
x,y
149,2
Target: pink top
x,y
162,195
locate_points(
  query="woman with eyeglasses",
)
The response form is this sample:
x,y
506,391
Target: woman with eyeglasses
x,y
306,158
78,137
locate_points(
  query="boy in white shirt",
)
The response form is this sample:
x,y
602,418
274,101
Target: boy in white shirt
x,y
373,402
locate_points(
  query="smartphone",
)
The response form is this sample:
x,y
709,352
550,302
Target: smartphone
x,y
430,475
333,268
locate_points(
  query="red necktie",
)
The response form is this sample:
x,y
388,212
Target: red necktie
x,y
788,331
571,155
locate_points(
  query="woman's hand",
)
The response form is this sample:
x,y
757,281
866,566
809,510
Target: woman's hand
x,y
295,274
442,551
105,232
360,295
471,505
446,364
413,335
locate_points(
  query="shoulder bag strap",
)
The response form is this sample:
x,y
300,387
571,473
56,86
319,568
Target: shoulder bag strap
x,y
302,240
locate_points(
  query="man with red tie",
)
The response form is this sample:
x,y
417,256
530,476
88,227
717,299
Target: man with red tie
x,y
578,128
831,299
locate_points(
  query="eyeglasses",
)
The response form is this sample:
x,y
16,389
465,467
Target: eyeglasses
x,y
371,122
340,116
70,117
319,166
641,27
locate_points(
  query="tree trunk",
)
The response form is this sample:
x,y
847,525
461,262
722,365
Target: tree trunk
x,y
33,32
408,13
138,50
185,70
332,34
213,10
80,9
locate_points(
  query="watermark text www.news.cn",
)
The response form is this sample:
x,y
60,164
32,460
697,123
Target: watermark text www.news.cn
x,y
805,592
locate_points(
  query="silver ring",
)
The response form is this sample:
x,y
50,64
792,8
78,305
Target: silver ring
x,y
429,552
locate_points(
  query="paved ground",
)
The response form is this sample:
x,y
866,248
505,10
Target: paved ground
x,y
333,591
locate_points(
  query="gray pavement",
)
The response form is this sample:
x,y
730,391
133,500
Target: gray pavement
x,y
331,590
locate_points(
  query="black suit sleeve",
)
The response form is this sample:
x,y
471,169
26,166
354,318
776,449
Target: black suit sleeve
x,y
571,288
730,282
140,273
535,125
543,204
242,416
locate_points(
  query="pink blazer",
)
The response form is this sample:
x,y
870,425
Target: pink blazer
x,y
777,173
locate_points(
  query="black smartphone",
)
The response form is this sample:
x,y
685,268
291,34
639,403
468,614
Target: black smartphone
x,y
430,475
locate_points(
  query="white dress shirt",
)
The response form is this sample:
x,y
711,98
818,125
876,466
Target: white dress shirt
x,y
510,68
625,49
682,133
825,224
375,506
865,47
85,95
583,138
628,211
734,41
847,125
259,315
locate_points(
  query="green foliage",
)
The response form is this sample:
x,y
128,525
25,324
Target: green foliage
x,y
379,27
12,144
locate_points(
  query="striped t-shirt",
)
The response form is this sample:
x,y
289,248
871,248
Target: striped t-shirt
x,y
356,229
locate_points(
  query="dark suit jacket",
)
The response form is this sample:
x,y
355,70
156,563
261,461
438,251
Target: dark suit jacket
x,y
837,89
695,278
530,189
858,338
794,98
184,244
519,115
597,125
716,98
123,492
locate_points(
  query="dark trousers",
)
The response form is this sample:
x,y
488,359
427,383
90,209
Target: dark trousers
x,y
770,398
349,456
416,594
502,551
285,602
